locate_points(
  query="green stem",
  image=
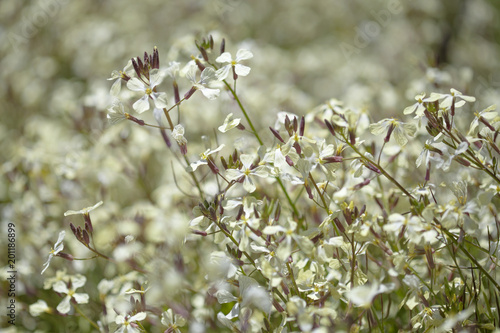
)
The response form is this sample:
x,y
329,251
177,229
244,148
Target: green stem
x,y
77,309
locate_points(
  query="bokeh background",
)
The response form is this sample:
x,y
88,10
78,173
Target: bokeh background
x,y
58,152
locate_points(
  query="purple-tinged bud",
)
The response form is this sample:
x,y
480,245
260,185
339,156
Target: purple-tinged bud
x,y
141,65
339,224
241,127
183,149
258,233
452,107
276,134
73,229
235,156
177,97
199,232
277,306
88,228
240,213
256,212
134,119
462,161
289,161
389,133
333,159
147,59
156,58
285,288
204,53
428,173
447,120
330,127
487,123
309,192
235,76
302,126
65,256
212,166
295,125
201,67
223,46
352,137
79,233
362,184
362,211
190,93
85,237
371,167
494,146
347,216
211,42
297,147
136,68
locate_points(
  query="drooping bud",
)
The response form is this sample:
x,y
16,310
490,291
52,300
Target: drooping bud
x,y
223,46
330,127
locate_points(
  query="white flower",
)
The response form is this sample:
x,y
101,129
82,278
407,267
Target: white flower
x,y
118,76
229,123
38,308
207,77
58,247
418,107
238,68
363,295
61,287
487,114
204,158
448,98
159,98
246,172
84,211
178,134
172,321
401,130
127,322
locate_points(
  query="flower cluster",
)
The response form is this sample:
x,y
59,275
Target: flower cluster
x,y
314,224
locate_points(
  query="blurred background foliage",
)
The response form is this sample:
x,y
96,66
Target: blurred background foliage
x,y
58,151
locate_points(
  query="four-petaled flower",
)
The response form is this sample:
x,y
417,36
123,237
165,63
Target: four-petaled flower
x,y
446,99
239,69
204,160
148,90
246,172
401,130
84,211
61,287
419,107
207,77
118,76
128,323
172,321
58,247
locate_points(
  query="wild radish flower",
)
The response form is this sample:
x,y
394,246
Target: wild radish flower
x,y
246,172
238,69
401,130
128,323
58,247
446,99
229,123
418,107
116,113
39,307
84,211
178,135
172,321
205,158
203,84
120,76
484,117
148,90
80,298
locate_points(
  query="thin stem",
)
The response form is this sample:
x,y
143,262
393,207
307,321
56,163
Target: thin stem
x,y
77,309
